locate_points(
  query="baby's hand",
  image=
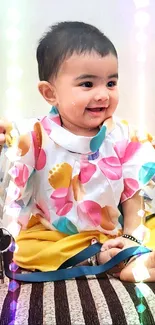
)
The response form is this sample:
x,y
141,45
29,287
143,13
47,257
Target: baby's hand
x,y
113,243
5,129
108,250
111,248
2,132
119,243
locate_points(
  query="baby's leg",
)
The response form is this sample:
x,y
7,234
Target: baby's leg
x,y
140,269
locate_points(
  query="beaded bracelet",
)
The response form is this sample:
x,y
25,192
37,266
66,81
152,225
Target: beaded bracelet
x,y
132,238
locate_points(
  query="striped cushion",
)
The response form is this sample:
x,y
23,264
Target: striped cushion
x,y
90,301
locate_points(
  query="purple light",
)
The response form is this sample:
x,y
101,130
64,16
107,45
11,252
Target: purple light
x,y
13,286
12,247
13,305
13,267
12,322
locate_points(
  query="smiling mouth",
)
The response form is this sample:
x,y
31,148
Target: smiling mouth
x,y
96,109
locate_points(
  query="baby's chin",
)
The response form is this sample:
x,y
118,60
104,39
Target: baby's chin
x,y
96,123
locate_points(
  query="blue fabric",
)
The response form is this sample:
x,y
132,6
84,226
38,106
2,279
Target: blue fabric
x,y
97,140
66,274
65,225
146,173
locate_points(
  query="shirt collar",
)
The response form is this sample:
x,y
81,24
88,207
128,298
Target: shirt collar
x,y
76,143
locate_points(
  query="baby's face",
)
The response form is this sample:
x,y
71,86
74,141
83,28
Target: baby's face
x,y
87,94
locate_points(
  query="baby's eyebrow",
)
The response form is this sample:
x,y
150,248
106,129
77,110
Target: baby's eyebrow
x,y
86,76
115,75
91,76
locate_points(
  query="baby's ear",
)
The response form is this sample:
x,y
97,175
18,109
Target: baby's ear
x,y
48,91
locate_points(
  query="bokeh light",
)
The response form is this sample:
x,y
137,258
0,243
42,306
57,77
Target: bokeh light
x,y
141,3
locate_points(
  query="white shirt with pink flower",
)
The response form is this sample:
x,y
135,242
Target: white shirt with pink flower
x,y
74,182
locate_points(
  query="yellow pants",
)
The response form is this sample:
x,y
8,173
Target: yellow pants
x,y
45,250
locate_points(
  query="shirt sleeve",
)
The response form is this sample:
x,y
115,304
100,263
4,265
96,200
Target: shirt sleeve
x,y
137,156
5,165
19,199
26,157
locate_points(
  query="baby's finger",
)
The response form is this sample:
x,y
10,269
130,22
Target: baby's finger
x,y
5,126
2,126
2,138
112,243
105,256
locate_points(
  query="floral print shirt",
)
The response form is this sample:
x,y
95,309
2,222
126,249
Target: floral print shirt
x,y
74,182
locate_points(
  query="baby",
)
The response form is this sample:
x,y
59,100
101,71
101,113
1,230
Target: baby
x,y
77,164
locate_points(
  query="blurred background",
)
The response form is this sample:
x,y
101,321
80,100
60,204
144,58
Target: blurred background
x,y
129,24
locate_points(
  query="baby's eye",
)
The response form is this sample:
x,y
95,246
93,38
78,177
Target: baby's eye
x,y
87,84
112,84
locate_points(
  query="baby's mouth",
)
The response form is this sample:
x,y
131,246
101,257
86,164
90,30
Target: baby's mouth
x,y
95,109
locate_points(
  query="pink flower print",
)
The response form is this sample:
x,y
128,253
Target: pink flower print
x,y
42,206
56,119
120,148
86,171
90,212
13,193
125,151
61,200
20,173
111,167
46,124
41,161
131,186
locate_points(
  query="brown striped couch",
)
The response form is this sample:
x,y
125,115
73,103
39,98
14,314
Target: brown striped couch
x,y
91,301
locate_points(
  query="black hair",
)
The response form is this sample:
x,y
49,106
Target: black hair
x,y
66,38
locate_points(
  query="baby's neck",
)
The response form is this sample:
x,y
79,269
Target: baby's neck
x,y
82,132
79,130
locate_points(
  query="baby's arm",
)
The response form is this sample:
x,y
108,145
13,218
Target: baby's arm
x,y
134,216
138,166
19,200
